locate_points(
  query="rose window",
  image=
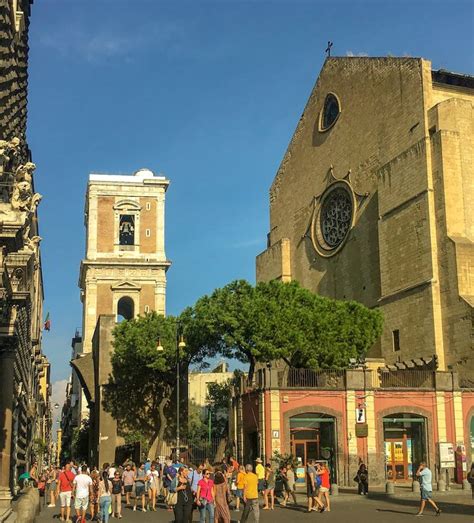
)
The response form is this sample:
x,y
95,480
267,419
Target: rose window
x,y
336,217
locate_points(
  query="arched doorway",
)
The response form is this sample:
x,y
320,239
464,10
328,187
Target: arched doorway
x,y
313,436
405,445
125,309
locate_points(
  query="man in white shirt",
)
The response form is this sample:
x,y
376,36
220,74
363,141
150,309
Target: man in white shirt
x,y
426,490
81,490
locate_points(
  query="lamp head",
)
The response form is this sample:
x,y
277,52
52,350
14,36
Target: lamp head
x,y
159,346
181,343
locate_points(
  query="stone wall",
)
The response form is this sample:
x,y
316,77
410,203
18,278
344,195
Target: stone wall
x,y
403,145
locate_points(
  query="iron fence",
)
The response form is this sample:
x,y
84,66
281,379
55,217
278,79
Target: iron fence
x,y
314,379
407,379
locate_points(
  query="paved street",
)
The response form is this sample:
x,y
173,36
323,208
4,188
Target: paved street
x,y
346,508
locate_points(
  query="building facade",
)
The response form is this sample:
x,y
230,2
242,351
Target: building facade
x,y
122,276
391,420
24,370
373,202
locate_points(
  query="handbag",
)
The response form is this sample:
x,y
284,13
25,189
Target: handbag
x,y
172,498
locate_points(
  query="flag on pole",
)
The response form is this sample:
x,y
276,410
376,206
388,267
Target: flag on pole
x,y
47,323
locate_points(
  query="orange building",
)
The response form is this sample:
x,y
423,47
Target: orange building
x,y
388,419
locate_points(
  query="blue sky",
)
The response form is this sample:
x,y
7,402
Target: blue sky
x,y
207,93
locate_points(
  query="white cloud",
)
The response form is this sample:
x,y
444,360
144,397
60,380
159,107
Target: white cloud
x,y
247,243
352,53
106,43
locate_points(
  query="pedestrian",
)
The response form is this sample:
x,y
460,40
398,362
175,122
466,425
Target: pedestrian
x,y
426,490
81,491
64,492
140,478
111,470
117,489
153,477
239,483
128,481
34,473
290,484
52,485
323,473
105,496
221,498
169,475
269,492
312,487
260,471
205,497
250,495
94,496
470,478
362,479
183,507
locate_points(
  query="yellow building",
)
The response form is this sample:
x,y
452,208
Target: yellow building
x,y
373,202
122,275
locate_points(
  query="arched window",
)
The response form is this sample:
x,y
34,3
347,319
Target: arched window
x,y
125,309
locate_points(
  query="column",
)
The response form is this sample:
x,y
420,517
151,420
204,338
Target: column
x,y
458,418
275,420
7,357
352,460
441,416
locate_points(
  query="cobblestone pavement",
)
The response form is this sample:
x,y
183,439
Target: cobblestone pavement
x,y
346,508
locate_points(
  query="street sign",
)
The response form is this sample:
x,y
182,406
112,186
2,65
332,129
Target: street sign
x,y
360,415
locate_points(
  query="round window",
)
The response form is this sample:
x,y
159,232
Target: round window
x,y
336,217
331,111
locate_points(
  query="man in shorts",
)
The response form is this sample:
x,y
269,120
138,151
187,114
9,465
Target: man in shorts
x,y
312,488
64,491
426,490
81,490
128,476
260,472
140,479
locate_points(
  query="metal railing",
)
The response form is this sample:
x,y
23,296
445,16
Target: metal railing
x,y
315,379
406,379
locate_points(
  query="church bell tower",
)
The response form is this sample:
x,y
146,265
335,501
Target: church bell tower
x,y
124,270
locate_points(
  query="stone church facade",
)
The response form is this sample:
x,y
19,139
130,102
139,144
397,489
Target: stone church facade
x,y
123,275
25,414
373,202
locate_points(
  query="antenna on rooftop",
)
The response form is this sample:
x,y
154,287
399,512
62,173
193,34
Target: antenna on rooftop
x,y
328,48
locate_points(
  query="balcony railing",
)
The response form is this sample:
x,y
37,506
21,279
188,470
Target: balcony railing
x,y
314,379
404,379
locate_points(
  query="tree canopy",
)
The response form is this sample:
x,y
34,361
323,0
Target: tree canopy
x,y
269,321
276,320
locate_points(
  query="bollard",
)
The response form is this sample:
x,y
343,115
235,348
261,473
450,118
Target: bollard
x,y
441,485
415,486
390,488
334,489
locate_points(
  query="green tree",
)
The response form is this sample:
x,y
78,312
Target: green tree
x,y
276,320
143,380
80,441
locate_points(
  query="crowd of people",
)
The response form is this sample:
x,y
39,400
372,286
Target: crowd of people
x,y
211,490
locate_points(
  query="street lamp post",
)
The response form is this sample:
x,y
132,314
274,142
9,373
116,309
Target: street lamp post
x,y
180,344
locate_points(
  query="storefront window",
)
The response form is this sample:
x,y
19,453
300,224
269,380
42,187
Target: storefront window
x,y
405,445
313,436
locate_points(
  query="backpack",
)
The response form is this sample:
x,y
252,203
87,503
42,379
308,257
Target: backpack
x,y
318,481
174,484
